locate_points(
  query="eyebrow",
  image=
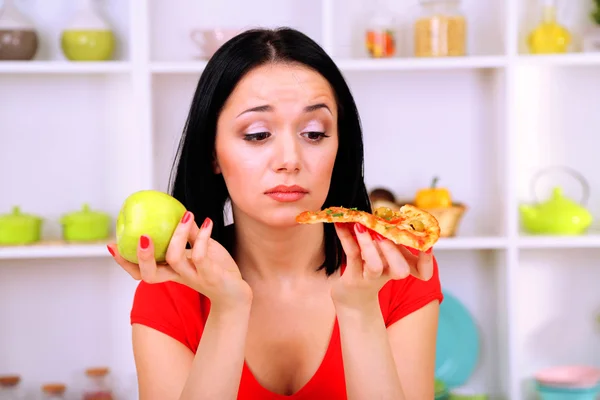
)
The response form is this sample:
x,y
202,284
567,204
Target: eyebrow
x,y
267,108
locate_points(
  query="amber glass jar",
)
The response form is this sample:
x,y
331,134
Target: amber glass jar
x,y
98,385
440,30
54,391
10,388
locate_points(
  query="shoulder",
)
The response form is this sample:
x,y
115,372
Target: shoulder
x,y
399,298
171,308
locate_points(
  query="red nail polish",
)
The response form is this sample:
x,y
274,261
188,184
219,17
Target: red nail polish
x,y
377,236
144,242
205,223
429,251
186,217
360,228
112,253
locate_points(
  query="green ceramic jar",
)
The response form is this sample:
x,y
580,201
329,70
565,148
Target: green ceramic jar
x,y
85,225
88,45
88,37
17,228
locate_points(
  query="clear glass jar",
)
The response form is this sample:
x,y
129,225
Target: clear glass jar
x,y
10,388
380,32
441,30
54,391
98,385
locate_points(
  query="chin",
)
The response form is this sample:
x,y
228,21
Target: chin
x,y
282,217
277,214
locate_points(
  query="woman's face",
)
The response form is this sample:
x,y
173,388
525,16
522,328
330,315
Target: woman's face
x,y
276,143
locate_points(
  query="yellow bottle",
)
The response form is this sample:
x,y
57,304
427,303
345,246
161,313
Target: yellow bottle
x,y
549,37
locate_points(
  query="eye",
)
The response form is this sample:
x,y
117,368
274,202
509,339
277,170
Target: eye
x,y
314,136
256,137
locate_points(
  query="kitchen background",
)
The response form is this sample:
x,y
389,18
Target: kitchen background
x,y
498,99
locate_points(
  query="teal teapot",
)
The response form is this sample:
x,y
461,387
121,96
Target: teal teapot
x,y
558,215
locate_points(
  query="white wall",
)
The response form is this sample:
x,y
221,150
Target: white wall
x,y
74,133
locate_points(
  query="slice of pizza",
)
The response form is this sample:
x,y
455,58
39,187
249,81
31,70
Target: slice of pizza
x,y
408,226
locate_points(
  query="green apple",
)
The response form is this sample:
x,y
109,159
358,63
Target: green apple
x,y
151,213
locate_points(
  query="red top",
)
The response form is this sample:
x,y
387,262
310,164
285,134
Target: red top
x,y
181,312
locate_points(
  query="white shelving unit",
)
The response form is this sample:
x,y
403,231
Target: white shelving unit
x,y
486,123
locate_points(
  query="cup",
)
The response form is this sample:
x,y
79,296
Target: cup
x,y
209,40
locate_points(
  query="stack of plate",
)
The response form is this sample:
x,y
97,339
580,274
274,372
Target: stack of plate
x,y
567,393
458,344
570,382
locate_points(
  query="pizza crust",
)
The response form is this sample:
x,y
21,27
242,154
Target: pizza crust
x,y
399,228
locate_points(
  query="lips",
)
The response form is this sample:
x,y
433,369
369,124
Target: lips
x,y
287,194
286,189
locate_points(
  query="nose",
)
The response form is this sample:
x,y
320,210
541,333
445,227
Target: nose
x,y
288,153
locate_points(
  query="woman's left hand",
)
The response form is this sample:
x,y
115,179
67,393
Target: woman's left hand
x,y
371,261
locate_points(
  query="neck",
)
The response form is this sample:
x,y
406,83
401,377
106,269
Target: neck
x,y
265,253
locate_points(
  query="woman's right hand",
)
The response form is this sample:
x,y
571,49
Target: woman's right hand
x,y
207,268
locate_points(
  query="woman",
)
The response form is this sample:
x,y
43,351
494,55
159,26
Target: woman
x,y
266,308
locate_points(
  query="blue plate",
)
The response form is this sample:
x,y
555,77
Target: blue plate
x,y
558,393
458,343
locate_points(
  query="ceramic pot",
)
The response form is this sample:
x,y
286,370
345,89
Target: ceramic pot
x,y
18,36
209,40
85,225
591,40
17,228
88,37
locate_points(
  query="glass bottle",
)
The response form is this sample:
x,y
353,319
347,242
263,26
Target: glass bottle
x,y
440,30
98,385
18,36
380,34
88,37
549,36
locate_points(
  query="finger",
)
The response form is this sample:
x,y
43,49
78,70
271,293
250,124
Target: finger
x,y
410,256
129,267
150,272
375,236
193,230
373,265
421,263
176,254
399,266
424,266
200,248
351,249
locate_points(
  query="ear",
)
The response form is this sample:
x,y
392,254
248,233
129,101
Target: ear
x,y
215,165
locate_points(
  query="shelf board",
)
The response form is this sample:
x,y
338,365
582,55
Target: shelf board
x,y
415,64
59,249
177,67
571,59
361,64
345,64
471,243
53,249
560,242
402,64
63,67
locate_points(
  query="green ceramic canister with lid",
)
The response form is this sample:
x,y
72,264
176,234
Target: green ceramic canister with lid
x,y
17,228
85,225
